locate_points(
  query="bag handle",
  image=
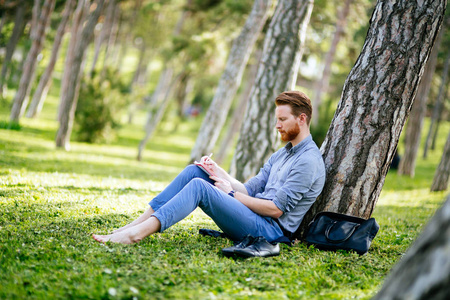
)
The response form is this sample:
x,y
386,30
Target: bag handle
x,y
330,227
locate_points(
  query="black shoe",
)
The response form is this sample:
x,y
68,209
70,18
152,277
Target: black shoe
x,y
260,247
242,244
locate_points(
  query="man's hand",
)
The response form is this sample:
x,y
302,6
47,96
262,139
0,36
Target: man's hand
x,y
215,168
222,184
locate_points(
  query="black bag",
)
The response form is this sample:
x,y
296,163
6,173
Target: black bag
x,y
332,231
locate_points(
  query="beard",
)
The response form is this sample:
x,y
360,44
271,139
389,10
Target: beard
x,y
289,135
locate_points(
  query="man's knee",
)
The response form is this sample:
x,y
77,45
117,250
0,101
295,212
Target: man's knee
x,y
194,171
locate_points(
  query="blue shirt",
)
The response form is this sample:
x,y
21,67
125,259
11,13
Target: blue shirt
x,y
292,178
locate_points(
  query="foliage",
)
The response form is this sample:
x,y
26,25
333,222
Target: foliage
x,y
51,201
9,125
99,108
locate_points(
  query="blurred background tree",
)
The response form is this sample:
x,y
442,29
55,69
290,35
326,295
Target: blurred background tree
x,y
140,41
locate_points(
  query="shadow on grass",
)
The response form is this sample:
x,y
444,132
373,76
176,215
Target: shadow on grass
x,y
46,161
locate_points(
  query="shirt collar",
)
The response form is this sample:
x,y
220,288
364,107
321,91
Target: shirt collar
x,y
293,149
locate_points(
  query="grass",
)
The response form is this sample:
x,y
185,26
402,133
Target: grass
x,y
51,201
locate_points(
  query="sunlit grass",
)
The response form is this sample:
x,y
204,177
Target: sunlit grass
x,y
52,200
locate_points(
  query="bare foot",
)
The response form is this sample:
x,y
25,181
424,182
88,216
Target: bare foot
x,y
120,238
118,230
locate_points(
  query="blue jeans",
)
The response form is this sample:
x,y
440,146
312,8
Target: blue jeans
x,y
192,188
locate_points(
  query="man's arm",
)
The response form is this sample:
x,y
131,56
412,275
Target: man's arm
x,y
262,207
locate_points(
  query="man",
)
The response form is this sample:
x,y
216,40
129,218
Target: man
x,y
271,205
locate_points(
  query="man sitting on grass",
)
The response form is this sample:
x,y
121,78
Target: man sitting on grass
x,y
271,205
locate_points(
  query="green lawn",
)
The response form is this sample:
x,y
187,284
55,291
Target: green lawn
x,y
51,201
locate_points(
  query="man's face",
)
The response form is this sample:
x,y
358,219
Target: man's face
x,y
287,123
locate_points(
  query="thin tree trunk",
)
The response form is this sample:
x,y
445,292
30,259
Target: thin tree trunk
x,y
75,34
3,21
437,105
38,37
70,96
323,83
375,104
415,119
230,80
423,273
44,83
276,73
440,180
141,64
239,111
139,79
438,122
112,32
160,96
35,16
104,33
154,119
128,37
181,93
19,26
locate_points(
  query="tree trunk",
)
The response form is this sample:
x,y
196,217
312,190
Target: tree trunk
x,y
75,34
230,80
424,271
2,21
142,63
440,180
38,37
70,100
418,110
129,36
19,26
323,83
277,72
104,34
154,119
112,33
160,97
239,111
439,119
375,103
44,83
437,106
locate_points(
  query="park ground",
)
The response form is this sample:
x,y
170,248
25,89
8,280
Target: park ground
x,y
51,201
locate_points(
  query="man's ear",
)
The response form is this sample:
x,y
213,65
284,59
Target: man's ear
x,y
302,118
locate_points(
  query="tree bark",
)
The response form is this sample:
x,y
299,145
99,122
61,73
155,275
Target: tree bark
x,y
70,100
437,106
44,83
440,180
323,83
375,103
230,80
418,110
277,72
38,37
424,271
19,26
